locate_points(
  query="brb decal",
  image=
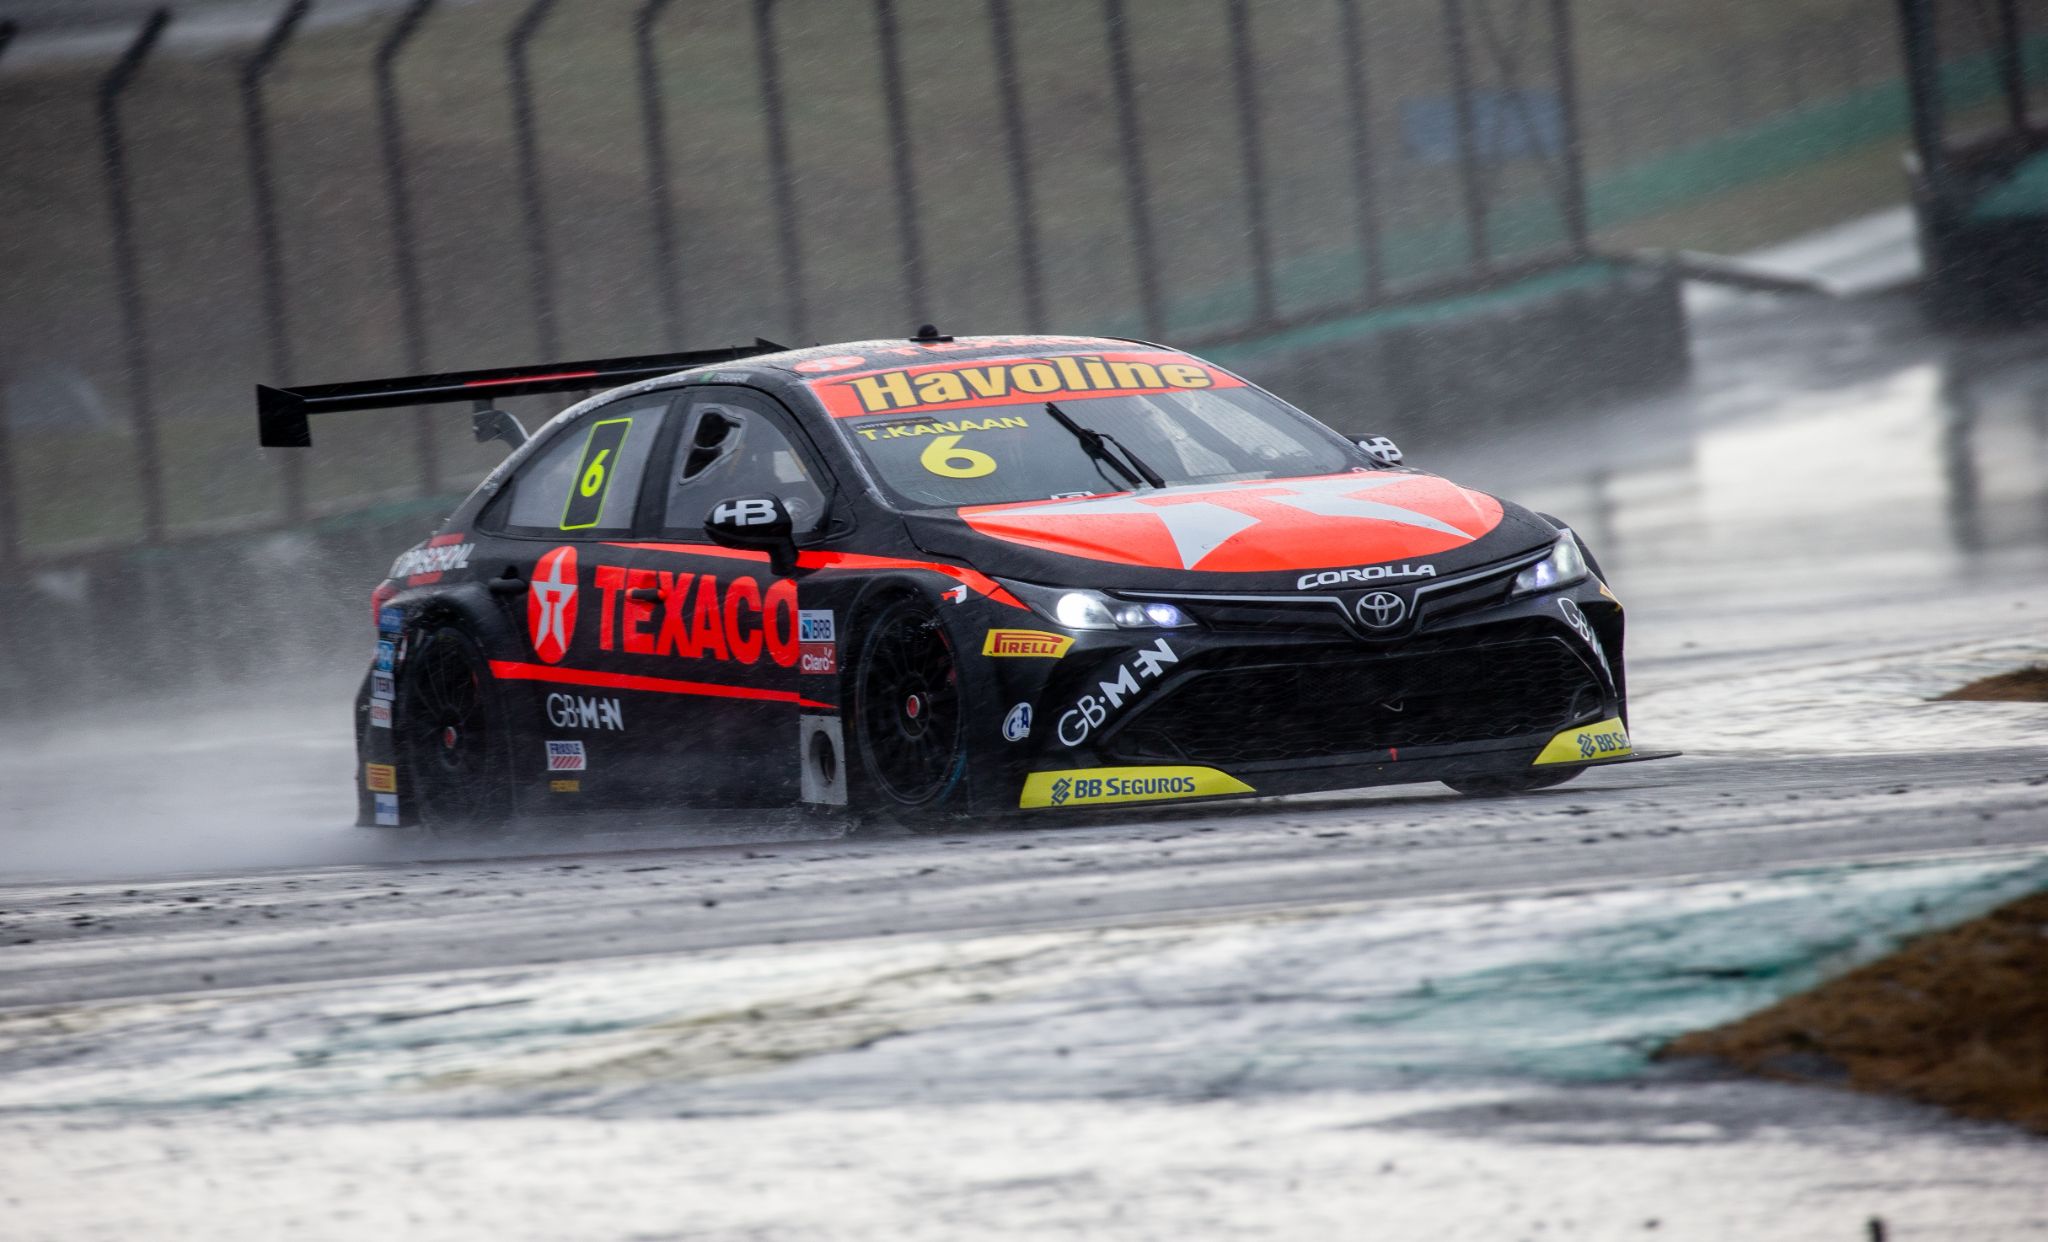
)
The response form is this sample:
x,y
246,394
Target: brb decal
x,y
1093,711
818,641
551,605
1258,526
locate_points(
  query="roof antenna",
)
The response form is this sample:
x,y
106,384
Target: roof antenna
x,y
928,334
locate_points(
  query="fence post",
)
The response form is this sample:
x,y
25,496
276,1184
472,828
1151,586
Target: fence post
x,y
781,176
540,264
1923,90
1017,148
10,515
908,220
1358,111
269,248
2012,75
1137,191
412,316
1251,160
1459,51
127,272
1577,220
660,197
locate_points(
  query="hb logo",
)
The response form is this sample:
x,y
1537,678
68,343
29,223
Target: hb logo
x,y
759,511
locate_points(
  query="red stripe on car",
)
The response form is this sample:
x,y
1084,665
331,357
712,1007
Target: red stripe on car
x,y
511,671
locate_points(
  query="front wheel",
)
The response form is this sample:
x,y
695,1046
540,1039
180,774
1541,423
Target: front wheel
x,y
1511,783
908,713
457,753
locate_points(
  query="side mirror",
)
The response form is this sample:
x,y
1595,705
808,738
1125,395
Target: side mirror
x,y
756,523
1381,450
492,425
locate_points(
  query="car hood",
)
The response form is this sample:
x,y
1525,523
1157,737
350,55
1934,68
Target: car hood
x,y
1255,535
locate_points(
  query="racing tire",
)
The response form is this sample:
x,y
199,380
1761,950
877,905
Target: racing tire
x,y
908,718
1511,783
453,740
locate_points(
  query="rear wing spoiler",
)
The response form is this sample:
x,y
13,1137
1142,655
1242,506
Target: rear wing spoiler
x,y
281,413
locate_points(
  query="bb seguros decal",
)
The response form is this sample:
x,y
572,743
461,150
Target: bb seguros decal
x,y
1016,381
1102,786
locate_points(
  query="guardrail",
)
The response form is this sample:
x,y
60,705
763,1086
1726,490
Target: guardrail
x,y
581,181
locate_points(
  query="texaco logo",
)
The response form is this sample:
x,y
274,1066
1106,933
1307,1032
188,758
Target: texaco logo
x,y
1380,610
551,605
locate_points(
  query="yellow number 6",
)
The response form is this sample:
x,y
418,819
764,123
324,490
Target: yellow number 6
x,y
945,456
593,478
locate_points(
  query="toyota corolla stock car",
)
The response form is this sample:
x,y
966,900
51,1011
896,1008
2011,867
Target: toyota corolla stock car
x,y
931,577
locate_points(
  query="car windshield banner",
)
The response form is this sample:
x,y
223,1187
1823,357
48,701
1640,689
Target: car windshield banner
x,y
965,385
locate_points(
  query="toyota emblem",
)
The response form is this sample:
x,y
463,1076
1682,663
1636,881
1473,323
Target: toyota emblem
x,y
1380,610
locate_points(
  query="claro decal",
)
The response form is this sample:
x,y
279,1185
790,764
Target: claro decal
x,y
1016,381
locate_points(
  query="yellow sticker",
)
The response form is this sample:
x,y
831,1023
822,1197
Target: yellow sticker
x,y
570,786
380,778
1100,786
1605,740
944,456
1016,643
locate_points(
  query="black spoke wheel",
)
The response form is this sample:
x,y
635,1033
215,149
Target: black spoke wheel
x,y
907,707
457,754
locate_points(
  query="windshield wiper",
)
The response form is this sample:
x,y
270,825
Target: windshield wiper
x,y
1092,444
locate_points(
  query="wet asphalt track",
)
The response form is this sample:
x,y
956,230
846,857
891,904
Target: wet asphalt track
x,y
1839,519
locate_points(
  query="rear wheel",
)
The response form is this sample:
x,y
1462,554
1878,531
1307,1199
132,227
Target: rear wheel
x,y
1511,782
457,753
908,713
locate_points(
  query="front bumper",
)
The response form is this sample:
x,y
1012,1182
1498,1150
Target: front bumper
x,y
1270,696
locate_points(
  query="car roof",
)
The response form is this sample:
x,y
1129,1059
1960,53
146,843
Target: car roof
x,y
900,350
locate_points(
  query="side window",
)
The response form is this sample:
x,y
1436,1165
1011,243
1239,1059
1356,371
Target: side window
x,y
732,446
588,479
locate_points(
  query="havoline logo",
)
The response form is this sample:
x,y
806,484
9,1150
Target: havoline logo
x,y
1103,786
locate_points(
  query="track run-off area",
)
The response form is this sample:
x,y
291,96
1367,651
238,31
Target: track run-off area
x,y
1384,1013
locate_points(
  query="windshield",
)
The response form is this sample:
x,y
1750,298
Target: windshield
x,y
933,438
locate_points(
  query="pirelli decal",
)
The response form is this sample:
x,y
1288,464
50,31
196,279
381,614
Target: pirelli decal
x,y
1016,381
1025,643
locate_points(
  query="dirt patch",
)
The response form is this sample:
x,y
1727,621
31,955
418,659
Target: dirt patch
x,y
1957,1018
2024,685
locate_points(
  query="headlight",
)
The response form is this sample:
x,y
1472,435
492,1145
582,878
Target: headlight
x,y
1092,610
1562,567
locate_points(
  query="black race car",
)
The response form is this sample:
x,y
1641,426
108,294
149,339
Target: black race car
x,y
959,576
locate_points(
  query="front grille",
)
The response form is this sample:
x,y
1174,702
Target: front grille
x,y
1326,702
